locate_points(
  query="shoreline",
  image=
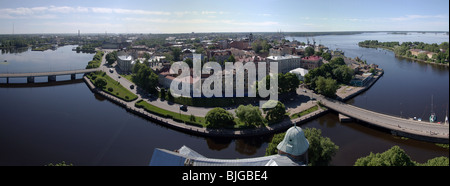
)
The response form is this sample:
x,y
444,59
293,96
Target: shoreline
x,y
203,131
405,57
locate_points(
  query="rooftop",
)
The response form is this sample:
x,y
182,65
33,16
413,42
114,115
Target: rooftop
x,y
276,58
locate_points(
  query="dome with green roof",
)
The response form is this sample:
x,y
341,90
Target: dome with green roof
x,y
294,142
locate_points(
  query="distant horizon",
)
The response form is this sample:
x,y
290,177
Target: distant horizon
x,y
99,33
201,16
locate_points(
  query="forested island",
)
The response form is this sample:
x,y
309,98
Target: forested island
x,y
420,51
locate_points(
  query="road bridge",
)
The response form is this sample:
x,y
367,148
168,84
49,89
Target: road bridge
x,y
422,130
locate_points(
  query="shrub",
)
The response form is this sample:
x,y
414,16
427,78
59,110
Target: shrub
x,y
110,89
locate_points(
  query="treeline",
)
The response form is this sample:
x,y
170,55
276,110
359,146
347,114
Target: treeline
x,y
22,41
403,50
396,156
96,60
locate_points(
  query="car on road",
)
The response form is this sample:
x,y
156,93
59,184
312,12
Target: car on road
x,y
132,86
183,107
111,70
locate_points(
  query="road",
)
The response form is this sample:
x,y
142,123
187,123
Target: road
x,y
390,122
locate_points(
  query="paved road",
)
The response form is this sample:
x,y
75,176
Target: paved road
x,y
387,121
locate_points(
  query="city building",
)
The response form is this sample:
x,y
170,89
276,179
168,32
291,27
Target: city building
x,y
125,62
281,51
219,56
292,151
361,80
242,45
311,62
285,63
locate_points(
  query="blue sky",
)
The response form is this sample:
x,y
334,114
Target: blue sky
x,y
176,16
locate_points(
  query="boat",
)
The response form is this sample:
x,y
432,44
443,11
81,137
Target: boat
x,y
5,61
433,115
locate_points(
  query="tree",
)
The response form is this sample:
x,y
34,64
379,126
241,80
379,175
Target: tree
x,y
219,117
343,74
337,61
189,62
276,113
249,114
321,149
438,161
231,59
287,82
326,56
111,57
100,82
176,52
395,156
326,86
422,56
309,51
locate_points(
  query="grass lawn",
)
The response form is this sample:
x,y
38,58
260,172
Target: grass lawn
x,y
199,121
307,111
129,77
114,88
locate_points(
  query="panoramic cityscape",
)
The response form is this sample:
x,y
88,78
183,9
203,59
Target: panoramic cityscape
x,y
224,83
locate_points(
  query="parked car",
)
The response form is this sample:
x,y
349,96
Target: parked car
x,y
132,86
183,107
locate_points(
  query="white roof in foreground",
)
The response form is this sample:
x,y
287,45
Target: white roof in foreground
x,y
299,71
186,156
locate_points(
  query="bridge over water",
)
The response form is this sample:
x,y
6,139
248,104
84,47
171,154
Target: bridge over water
x,y
410,128
51,75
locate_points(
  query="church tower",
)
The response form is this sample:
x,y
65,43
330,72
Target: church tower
x,y
294,145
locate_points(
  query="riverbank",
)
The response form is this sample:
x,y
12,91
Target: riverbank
x,y
348,92
402,56
203,131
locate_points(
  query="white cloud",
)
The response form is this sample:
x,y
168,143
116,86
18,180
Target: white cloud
x,y
412,17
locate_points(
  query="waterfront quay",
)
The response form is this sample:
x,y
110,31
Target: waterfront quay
x,y
398,126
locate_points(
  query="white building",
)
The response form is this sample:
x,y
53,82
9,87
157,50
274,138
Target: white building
x,y
125,63
292,151
300,72
285,63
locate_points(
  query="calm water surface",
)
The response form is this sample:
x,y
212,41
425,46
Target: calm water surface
x,y
69,123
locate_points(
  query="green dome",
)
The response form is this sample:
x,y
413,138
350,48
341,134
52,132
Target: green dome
x,y
294,142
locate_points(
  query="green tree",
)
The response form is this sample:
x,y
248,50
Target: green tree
x,y
249,114
343,74
422,56
438,161
219,117
395,156
111,57
100,82
189,62
337,61
321,149
309,51
231,59
287,82
326,86
176,52
326,56
277,113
